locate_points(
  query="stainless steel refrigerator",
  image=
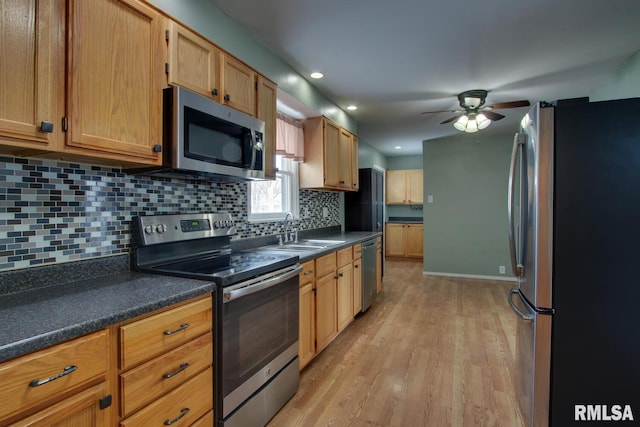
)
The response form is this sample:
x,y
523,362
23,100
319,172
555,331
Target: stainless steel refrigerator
x,y
574,228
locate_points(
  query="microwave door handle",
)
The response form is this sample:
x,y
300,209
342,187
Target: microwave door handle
x,y
254,148
516,267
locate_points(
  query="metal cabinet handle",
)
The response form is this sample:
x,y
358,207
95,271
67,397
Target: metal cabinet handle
x,y
66,371
46,126
214,92
306,273
182,367
181,328
227,97
183,412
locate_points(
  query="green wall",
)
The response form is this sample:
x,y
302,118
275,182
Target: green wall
x,y
208,20
624,83
369,157
465,228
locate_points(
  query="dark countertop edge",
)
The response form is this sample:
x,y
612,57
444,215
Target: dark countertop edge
x,y
40,342
404,222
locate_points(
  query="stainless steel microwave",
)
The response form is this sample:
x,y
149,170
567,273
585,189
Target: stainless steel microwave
x,y
204,138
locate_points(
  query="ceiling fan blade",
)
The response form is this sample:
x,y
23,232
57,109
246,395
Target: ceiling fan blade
x,y
492,116
449,120
512,104
440,111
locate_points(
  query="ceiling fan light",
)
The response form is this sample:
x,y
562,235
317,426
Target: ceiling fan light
x,y
461,123
472,126
482,120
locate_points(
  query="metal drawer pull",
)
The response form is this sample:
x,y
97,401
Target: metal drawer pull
x,y
67,370
183,412
306,273
181,328
182,367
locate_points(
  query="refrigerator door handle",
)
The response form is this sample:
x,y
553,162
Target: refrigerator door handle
x,y
523,316
517,268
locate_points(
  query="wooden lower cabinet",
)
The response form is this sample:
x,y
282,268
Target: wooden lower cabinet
x,y
357,286
345,295
81,409
326,310
307,314
404,240
166,374
57,384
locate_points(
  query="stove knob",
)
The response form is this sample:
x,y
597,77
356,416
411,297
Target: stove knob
x,y
161,228
216,224
148,229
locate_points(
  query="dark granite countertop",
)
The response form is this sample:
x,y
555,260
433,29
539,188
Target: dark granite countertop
x,y
44,306
39,317
404,220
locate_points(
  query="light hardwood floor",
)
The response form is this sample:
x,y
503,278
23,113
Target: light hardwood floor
x,y
432,351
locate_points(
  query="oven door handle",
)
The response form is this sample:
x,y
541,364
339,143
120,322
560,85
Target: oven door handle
x,y
242,290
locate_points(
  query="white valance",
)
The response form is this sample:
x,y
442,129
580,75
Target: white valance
x,y
289,138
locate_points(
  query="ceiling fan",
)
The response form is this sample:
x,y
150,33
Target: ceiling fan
x,y
473,115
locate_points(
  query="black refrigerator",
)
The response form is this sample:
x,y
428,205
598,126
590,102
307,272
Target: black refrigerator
x,y
574,214
364,209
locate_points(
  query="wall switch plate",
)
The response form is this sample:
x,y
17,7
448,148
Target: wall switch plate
x,y
501,269
429,198
325,212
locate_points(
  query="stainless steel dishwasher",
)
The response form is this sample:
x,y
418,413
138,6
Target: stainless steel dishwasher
x,y
368,273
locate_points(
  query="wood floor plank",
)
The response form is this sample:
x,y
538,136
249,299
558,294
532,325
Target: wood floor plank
x,y
431,351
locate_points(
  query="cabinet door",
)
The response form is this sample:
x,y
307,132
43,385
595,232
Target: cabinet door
x,y
326,311
414,237
115,79
395,240
345,296
396,187
307,333
357,286
238,85
81,409
266,111
332,163
31,79
355,175
345,160
193,62
415,186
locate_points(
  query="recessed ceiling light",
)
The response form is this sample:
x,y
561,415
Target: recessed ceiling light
x,y
352,107
316,75
397,147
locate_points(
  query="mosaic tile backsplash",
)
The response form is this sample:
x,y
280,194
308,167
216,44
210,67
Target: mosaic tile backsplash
x,y
53,212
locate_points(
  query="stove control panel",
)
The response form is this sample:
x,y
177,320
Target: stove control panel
x,y
156,229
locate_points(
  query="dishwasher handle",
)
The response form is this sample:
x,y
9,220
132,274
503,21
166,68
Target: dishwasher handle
x,y
368,244
259,283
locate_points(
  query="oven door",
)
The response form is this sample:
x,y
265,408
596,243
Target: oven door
x,y
257,333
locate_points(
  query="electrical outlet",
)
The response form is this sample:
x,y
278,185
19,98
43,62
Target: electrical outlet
x,y
429,198
501,269
325,212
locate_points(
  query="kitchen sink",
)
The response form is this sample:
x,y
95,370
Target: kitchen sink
x,y
325,242
299,247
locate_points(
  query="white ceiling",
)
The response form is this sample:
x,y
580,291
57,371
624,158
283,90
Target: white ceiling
x,y
396,59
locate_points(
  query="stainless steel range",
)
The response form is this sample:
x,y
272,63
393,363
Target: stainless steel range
x,y
256,313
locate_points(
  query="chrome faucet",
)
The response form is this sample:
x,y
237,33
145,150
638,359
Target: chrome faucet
x,y
287,238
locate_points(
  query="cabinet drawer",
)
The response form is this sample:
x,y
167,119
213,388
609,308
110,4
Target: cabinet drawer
x,y
308,273
147,382
326,264
147,338
205,421
345,256
357,251
57,370
185,404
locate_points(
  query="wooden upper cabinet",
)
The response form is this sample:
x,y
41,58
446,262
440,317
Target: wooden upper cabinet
x,y
415,187
238,83
116,71
329,153
31,73
355,174
396,187
345,159
193,62
266,111
404,187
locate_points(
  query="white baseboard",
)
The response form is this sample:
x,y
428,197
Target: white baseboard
x,y
469,276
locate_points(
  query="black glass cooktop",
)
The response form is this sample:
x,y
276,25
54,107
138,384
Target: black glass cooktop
x,y
228,269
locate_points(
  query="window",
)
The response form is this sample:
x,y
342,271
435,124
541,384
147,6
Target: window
x,y
271,200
